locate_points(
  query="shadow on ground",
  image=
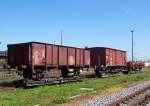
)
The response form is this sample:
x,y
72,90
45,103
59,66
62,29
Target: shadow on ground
x,y
6,84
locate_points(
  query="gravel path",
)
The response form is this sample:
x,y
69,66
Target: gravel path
x,y
118,95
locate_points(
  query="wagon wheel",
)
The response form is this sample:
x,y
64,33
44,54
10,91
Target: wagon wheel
x,y
39,75
76,72
98,72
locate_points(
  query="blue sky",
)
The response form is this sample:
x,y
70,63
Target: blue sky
x,y
89,23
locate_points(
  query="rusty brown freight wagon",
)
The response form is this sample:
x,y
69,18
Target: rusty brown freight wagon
x,y
135,65
107,60
34,57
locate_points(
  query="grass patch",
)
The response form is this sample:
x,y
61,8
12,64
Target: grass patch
x,y
60,100
58,94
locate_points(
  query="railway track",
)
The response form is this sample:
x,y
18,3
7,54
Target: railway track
x,y
5,75
141,99
60,80
138,95
51,81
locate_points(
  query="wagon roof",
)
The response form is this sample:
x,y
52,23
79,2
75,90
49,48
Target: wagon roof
x,y
42,43
106,48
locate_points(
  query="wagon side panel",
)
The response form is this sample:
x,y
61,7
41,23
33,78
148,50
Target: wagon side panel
x,y
22,54
86,57
38,54
63,60
49,51
18,54
55,55
11,55
82,57
71,56
78,58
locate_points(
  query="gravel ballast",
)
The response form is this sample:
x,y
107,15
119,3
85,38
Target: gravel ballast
x,y
118,95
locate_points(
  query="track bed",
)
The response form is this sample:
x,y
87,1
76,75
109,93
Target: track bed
x,y
46,81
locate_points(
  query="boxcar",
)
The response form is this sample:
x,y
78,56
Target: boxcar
x,y
33,58
107,60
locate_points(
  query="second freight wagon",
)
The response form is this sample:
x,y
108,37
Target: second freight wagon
x,y
107,60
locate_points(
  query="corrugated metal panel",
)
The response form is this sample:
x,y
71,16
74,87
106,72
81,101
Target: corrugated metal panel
x,y
78,57
114,57
11,55
55,55
120,58
38,54
18,54
109,57
97,56
82,57
49,55
86,57
63,56
71,56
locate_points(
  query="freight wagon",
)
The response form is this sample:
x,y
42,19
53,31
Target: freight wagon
x,y
135,66
33,58
107,60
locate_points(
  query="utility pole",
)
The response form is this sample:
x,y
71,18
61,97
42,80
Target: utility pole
x,y
132,47
54,42
61,37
